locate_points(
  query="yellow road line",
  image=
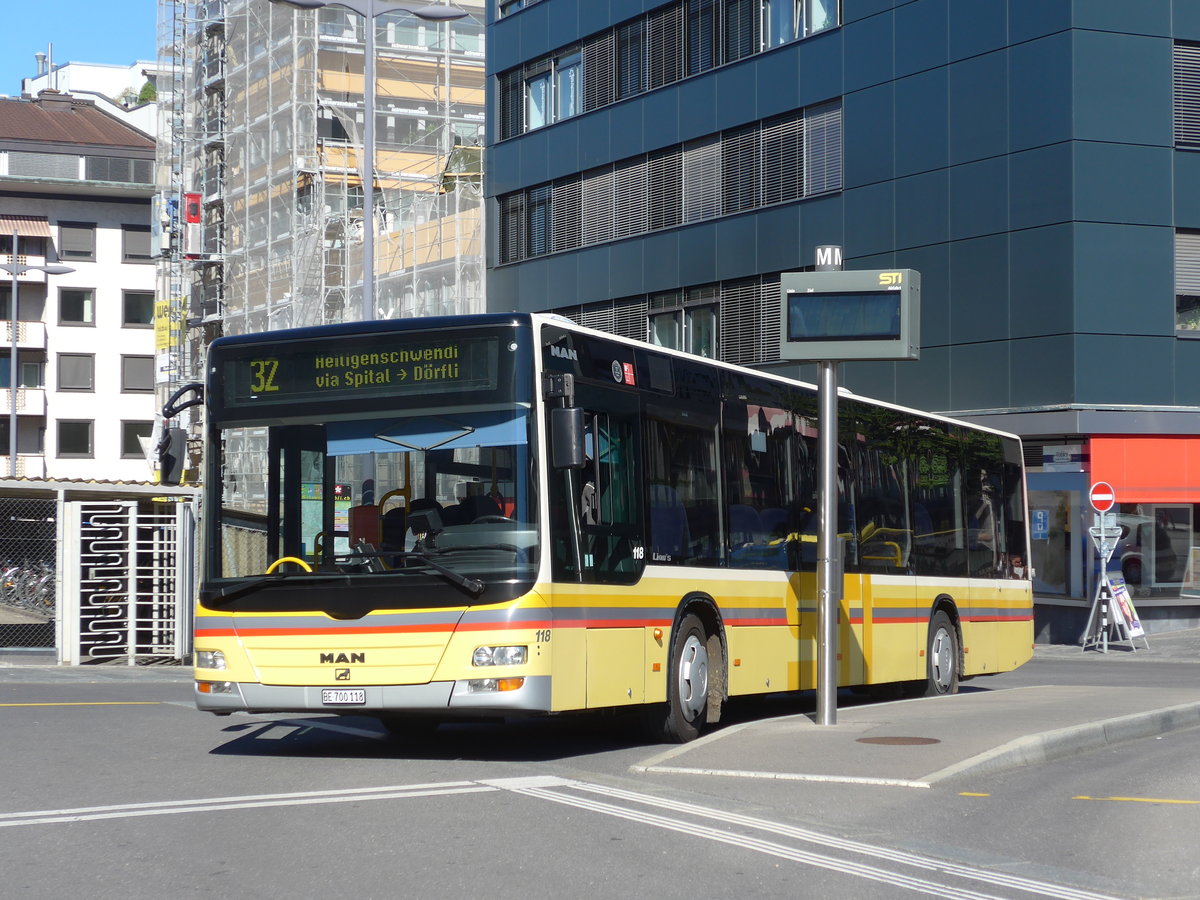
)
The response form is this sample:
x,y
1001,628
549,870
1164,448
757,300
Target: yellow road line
x,y
93,703
1141,800
969,794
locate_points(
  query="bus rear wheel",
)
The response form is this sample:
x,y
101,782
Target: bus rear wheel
x,y
686,712
942,658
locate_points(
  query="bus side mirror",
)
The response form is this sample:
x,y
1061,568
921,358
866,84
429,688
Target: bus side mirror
x,y
566,438
172,456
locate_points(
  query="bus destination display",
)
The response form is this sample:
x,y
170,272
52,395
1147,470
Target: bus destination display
x,y
352,369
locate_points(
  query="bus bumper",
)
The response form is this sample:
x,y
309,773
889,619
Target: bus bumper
x,y
444,697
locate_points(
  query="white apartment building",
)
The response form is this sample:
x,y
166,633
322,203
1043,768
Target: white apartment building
x,y
76,187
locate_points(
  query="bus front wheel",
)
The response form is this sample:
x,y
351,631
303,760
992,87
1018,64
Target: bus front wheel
x,y
688,685
942,659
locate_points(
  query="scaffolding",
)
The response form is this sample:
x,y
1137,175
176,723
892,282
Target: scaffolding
x,y
260,179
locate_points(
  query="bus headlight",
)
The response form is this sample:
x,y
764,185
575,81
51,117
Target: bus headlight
x,y
492,685
500,656
210,659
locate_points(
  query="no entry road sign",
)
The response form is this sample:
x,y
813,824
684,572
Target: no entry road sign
x,y
1102,496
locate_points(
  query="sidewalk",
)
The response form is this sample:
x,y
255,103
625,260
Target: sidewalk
x,y
917,743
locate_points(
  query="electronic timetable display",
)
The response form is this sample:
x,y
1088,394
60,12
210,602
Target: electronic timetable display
x,y
356,367
850,315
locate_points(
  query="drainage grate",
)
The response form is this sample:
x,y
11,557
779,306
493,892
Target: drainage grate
x,y
899,741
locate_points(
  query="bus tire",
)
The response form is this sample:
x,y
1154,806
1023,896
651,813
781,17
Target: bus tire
x,y
942,657
688,683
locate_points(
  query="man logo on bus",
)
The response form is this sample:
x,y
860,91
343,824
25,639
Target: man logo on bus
x,y
563,353
343,658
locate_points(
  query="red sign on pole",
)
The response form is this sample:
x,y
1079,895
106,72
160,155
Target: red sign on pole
x,y
1102,496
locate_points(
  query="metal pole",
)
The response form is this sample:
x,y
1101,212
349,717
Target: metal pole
x,y
829,588
368,165
12,364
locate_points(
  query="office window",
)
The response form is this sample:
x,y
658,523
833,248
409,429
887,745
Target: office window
x,y
76,372
131,434
775,161
599,71
135,243
76,306
567,213
76,240
1187,283
631,58
568,100
781,18
137,374
702,29
685,320
6,302
819,15
539,220
75,438
823,149
742,32
1187,95
675,41
664,31
537,100
137,309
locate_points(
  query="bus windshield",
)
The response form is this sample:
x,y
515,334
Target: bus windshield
x,y
380,495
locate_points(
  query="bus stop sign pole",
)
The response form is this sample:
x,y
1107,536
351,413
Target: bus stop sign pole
x,y
831,316
829,570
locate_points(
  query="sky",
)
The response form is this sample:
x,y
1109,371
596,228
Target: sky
x,y
94,31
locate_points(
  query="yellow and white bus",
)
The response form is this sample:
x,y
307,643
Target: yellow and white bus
x,y
510,514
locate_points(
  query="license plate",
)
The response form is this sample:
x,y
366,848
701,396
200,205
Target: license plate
x,y
343,697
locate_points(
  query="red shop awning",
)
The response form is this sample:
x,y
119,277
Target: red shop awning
x,y
1148,469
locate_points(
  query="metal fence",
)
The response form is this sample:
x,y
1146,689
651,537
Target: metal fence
x,y
28,573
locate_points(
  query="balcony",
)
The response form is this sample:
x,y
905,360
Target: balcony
x,y
30,401
30,335
32,466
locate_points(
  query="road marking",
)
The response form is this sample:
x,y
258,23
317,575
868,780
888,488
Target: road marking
x,y
253,801
92,703
558,791
781,776
970,794
627,805
1141,800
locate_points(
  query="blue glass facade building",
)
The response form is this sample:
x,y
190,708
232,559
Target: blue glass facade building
x,y
653,167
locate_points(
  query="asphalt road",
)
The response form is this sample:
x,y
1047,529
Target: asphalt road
x,y
114,786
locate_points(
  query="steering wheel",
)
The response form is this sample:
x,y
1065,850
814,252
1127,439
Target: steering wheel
x,y
489,520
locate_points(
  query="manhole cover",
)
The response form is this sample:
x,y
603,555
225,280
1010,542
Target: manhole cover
x,y
899,741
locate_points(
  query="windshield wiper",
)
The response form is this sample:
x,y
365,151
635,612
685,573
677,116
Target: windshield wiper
x,y
224,595
474,585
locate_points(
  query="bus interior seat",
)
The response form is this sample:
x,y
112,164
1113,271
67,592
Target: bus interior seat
x,y
745,524
392,527
774,521
668,521
477,506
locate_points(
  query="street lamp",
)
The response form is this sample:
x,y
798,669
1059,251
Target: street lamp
x,y
16,269
369,9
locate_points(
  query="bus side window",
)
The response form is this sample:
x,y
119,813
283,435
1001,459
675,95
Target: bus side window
x,y
610,532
